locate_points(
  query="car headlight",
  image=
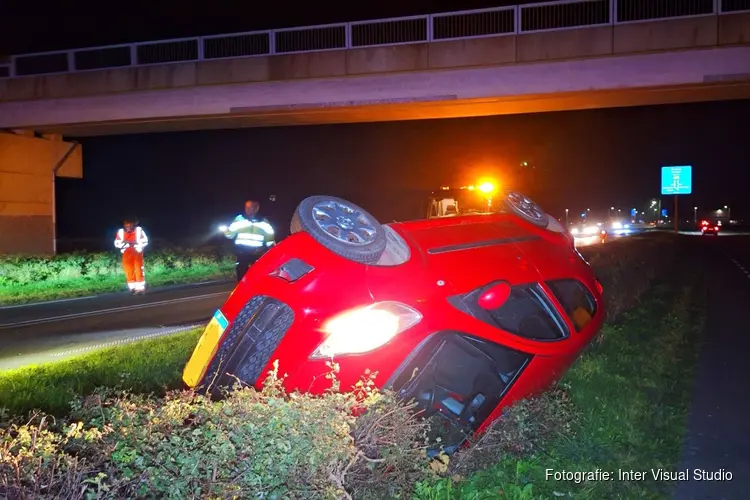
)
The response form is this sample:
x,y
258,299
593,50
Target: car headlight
x,y
617,225
365,329
574,230
223,228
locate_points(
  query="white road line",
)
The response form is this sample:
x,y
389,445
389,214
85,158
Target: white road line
x,y
89,297
740,266
126,340
110,310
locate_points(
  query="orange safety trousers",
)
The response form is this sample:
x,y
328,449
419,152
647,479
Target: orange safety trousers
x,y
132,264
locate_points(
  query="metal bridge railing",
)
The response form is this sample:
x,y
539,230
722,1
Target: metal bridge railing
x,y
514,20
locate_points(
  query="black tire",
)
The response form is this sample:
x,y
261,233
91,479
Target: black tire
x,y
525,208
242,355
366,252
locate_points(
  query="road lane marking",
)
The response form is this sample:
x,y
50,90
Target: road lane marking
x,y
741,267
127,340
134,307
160,288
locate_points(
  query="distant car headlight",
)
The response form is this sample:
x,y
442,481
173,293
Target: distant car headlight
x,y
574,230
617,225
365,329
590,230
223,228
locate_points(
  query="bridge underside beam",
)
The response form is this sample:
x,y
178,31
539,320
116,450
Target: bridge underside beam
x,y
459,108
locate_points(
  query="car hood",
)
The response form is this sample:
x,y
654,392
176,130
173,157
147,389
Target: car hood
x,y
469,252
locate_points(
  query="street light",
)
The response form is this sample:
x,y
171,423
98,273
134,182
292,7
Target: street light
x,y
729,212
695,215
611,209
566,218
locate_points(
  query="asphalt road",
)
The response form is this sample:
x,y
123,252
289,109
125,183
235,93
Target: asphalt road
x,y
36,333
718,434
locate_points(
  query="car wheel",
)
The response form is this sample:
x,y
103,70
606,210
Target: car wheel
x,y
247,346
524,207
342,227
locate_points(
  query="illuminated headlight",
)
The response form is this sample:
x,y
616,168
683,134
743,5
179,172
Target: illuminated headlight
x,y
223,228
365,329
590,230
617,225
574,230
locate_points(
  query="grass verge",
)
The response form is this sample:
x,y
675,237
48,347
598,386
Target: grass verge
x,y
630,393
152,366
33,279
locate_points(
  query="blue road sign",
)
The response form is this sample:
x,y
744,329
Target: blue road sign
x,y
633,212
663,212
677,180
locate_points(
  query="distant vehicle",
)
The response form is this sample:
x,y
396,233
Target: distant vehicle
x,y
589,233
464,200
463,314
709,228
619,228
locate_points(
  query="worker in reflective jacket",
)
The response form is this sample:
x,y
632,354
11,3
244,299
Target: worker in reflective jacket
x,y
252,236
131,239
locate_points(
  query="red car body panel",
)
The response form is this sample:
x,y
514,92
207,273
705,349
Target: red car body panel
x,y
448,257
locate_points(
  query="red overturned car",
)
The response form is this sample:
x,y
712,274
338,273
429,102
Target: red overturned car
x,y
462,314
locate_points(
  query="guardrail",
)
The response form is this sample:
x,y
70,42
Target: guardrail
x,y
513,20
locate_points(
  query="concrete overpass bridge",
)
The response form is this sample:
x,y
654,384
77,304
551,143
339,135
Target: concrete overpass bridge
x,y
552,56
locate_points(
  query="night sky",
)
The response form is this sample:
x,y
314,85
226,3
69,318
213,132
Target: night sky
x,y
182,184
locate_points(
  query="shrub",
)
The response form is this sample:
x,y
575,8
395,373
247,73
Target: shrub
x,y
266,443
25,279
23,271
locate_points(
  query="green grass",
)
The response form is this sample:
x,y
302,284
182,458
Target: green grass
x,y
631,392
33,279
152,365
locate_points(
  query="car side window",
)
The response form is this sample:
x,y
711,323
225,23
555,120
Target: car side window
x,y
575,299
528,313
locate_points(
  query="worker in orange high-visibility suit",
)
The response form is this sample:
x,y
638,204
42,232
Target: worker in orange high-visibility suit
x,y
131,239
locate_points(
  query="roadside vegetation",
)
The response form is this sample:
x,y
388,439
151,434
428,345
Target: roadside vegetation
x,y
109,425
32,279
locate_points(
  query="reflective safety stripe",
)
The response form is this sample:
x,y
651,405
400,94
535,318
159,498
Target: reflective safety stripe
x,y
244,223
240,224
264,226
251,236
138,239
248,243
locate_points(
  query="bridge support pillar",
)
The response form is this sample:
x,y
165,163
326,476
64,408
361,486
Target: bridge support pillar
x,y
28,168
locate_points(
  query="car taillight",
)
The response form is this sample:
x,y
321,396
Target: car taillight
x,y
292,270
599,287
716,228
